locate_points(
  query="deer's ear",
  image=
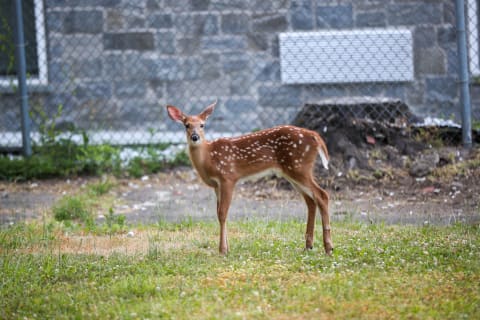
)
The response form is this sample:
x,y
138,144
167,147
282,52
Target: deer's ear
x,y
208,111
175,114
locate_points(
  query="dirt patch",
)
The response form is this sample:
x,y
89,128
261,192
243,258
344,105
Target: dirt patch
x,y
395,197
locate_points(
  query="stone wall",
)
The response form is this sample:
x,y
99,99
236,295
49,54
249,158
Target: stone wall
x,y
114,64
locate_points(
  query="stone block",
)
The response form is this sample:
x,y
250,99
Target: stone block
x,y
235,62
93,89
371,19
430,61
196,25
281,97
55,21
88,21
452,60
60,47
235,23
258,41
370,5
166,69
423,37
449,12
192,68
114,20
157,87
337,17
441,89
414,13
153,4
135,18
266,70
268,6
188,46
165,42
241,83
270,23
475,93
200,5
229,4
138,67
240,105
177,5
224,44
314,93
301,15
446,35
184,91
160,21
113,66
60,73
140,41
129,89
86,68
206,67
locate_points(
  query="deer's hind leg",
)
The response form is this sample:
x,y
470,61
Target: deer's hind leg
x,y
310,232
309,188
322,199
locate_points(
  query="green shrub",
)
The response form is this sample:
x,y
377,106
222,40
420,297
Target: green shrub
x,y
72,208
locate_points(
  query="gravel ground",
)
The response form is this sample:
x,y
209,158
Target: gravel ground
x,y
179,195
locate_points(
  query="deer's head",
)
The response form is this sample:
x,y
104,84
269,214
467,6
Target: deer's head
x,y
194,125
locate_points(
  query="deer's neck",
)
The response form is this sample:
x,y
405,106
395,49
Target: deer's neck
x,y
200,157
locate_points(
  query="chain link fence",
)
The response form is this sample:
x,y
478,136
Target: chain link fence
x,y
109,67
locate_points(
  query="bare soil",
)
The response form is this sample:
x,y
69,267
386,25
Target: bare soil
x,y
447,195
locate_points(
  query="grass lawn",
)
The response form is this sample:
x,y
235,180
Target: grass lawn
x,y
174,271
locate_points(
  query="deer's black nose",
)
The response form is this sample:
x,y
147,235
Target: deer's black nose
x,y
195,137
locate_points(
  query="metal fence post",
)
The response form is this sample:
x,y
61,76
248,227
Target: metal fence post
x,y
463,74
22,78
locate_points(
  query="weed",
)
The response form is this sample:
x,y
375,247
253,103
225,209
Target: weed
x,y
181,159
114,223
100,188
72,208
378,154
476,125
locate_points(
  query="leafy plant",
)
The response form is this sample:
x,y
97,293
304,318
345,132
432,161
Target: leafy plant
x,y
72,208
114,223
101,187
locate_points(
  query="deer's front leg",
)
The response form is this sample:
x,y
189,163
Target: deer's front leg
x,y
224,197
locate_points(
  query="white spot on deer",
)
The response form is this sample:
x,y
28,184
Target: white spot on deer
x,y
290,154
307,148
301,135
294,145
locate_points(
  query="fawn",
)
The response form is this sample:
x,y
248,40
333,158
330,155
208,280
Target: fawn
x,y
287,151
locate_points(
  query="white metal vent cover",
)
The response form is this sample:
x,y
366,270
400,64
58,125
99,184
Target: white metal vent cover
x,y
370,55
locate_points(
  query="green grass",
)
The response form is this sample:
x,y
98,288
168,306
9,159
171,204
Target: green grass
x,y
174,271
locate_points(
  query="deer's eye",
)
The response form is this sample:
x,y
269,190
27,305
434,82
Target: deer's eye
x,y
202,125
187,125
